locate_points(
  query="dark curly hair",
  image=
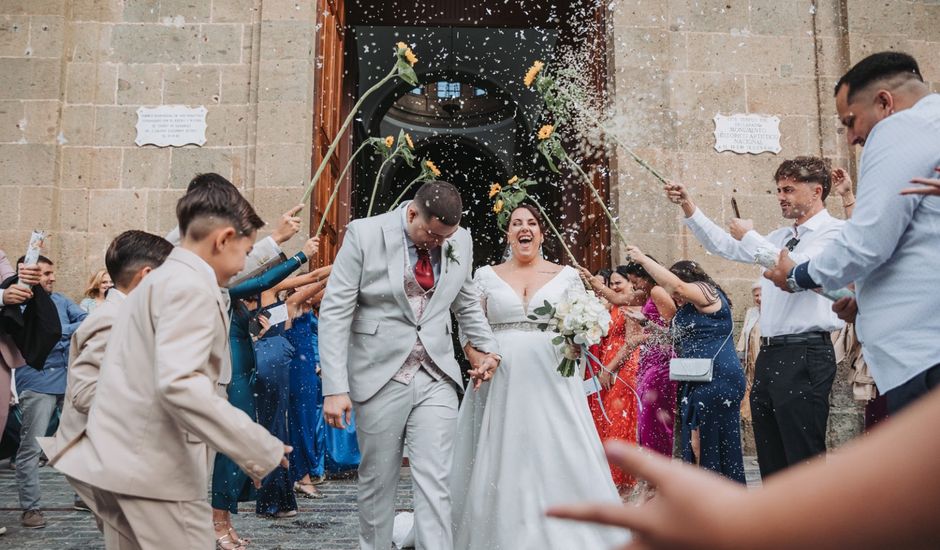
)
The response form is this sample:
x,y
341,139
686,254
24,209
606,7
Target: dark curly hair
x,y
691,272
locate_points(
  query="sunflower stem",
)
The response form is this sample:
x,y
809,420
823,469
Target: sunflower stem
x,y
597,196
342,131
336,186
403,191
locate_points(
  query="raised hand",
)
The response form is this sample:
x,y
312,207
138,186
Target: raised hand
x,y
779,273
676,192
311,247
288,225
29,274
738,227
16,294
841,182
846,309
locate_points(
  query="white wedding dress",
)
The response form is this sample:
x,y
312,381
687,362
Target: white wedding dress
x,y
526,440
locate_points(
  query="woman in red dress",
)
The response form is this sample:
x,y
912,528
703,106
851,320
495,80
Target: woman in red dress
x,y
619,353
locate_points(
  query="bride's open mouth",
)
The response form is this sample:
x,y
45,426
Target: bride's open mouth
x,y
525,240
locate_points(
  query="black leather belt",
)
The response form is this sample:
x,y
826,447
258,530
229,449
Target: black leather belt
x,y
818,337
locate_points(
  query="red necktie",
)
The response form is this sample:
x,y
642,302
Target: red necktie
x,y
424,273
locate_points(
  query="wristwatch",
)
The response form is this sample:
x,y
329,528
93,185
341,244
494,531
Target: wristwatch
x,y
791,282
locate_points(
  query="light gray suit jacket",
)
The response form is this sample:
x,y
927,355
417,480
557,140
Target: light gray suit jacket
x,y
367,327
156,411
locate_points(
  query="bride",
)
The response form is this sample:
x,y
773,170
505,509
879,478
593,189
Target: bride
x,y
525,440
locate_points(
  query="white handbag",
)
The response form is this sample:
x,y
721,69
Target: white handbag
x,y
682,369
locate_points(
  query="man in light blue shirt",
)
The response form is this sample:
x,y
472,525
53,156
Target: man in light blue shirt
x,y
890,247
40,393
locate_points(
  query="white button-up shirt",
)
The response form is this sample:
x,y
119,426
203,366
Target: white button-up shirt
x,y
890,248
781,312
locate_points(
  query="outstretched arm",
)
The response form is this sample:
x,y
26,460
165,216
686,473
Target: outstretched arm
x,y
702,296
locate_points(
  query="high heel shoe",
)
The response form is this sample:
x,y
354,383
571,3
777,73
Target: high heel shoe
x,y
307,490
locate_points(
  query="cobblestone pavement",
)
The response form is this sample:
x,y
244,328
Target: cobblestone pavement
x,y
330,523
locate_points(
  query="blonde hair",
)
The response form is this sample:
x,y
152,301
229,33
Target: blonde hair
x,y
94,284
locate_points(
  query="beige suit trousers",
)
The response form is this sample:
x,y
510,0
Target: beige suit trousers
x,y
423,416
133,523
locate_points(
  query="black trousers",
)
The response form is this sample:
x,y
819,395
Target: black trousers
x,y
790,403
913,389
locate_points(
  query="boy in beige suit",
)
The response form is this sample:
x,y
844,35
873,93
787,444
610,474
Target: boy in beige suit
x,y
131,256
144,453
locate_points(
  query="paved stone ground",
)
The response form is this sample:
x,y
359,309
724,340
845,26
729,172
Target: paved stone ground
x,y
330,523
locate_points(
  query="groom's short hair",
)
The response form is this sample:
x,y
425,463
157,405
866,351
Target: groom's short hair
x,y
441,200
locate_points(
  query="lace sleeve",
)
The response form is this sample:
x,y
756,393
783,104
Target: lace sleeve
x,y
479,286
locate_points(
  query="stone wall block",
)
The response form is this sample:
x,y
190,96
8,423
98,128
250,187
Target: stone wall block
x,y
87,42
799,135
140,84
41,121
114,210
27,165
78,124
91,167
704,94
897,17
638,13
14,35
776,17
926,16
32,7
774,95
646,88
188,161
220,44
648,48
115,126
161,210
184,11
73,211
156,43
278,166
146,167
37,206
235,11
69,251
227,125
283,122
10,209
699,16
191,85
46,36
280,80
286,40
141,11
768,55
91,83
235,84
96,10
11,119
926,55
28,78
287,10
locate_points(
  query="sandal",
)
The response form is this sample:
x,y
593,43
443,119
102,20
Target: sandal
x,y
238,540
308,490
225,542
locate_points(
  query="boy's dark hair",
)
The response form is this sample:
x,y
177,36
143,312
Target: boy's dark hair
x,y
807,170
876,67
441,200
42,260
213,200
132,251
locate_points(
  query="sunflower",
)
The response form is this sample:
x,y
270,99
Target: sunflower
x,y
433,168
410,143
495,188
545,132
389,141
498,207
409,55
533,72
512,180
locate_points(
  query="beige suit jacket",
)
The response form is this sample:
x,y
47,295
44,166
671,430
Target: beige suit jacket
x,y
86,352
156,411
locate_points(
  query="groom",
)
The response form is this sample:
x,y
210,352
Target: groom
x,y
386,350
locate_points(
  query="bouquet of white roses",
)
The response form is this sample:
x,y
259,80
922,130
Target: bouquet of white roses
x,y
580,319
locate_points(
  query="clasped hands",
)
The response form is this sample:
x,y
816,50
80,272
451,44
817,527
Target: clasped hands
x,y
482,365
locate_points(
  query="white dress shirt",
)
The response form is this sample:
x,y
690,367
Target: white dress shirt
x,y
890,248
781,312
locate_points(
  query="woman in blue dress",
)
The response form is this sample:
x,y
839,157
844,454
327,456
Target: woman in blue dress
x,y
709,412
273,355
230,485
317,447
